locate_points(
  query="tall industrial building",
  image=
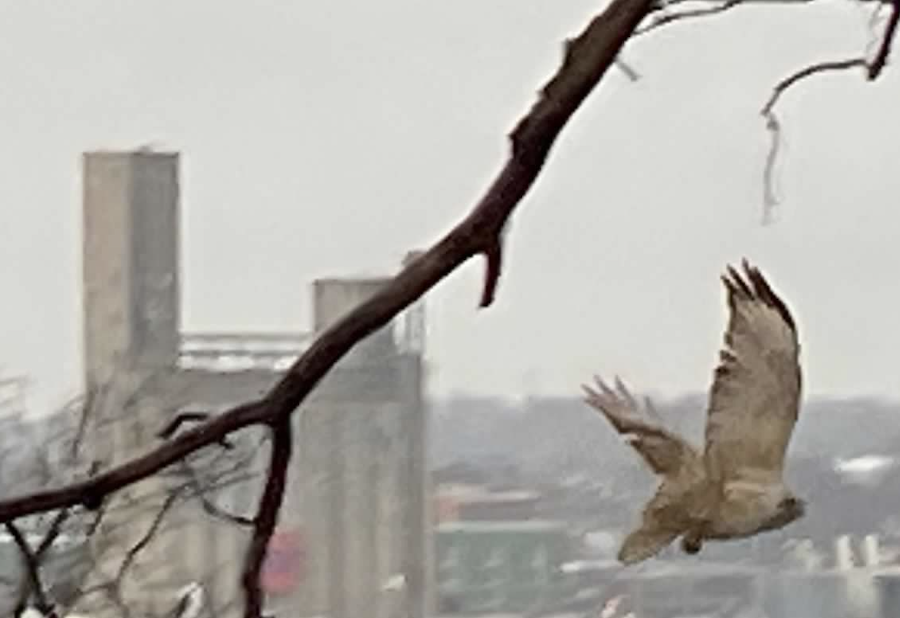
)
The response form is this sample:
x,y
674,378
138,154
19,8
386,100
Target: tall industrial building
x,y
354,534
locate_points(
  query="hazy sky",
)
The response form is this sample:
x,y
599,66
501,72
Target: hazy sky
x,y
322,137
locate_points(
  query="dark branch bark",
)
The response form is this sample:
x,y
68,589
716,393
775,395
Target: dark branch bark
x,y
33,571
814,69
215,511
267,516
887,41
189,417
175,424
493,256
95,488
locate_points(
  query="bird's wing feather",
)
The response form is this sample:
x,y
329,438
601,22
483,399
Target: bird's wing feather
x,y
755,395
666,453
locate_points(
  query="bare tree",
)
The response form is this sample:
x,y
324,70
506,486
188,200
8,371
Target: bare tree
x,y
83,557
586,59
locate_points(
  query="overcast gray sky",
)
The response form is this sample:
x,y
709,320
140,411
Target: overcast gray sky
x,y
323,137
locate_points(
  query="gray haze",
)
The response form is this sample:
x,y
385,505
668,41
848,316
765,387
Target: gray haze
x,y
324,138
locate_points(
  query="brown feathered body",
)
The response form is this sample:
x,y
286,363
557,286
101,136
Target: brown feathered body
x,y
734,487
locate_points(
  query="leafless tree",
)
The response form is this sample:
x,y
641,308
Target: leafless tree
x,y
586,59
100,547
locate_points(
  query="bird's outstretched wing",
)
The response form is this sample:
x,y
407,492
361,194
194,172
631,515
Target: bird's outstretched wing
x,y
755,395
666,453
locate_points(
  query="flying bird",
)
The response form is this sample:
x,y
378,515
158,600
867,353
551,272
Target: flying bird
x,y
734,488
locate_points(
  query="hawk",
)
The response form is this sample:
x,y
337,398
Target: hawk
x,y
733,489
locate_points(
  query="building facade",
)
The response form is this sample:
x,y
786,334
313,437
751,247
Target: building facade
x,y
354,535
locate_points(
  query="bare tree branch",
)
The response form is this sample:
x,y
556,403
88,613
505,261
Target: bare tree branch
x,y
493,254
661,19
267,516
32,584
175,424
814,69
189,417
32,569
773,124
209,506
873,68
138,547
214,510
887,41
586,61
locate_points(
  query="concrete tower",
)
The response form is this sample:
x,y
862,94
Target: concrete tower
x,y
130,263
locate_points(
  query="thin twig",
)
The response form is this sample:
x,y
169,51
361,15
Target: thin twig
x,y
97,520
661,19
43,547
770,197
185,418
148,535
209,507
628,70
773,124
814,69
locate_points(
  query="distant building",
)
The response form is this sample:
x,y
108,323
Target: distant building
x,y
357,511
502,566
477,503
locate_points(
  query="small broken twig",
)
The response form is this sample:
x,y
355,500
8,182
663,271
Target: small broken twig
x,y
627,69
